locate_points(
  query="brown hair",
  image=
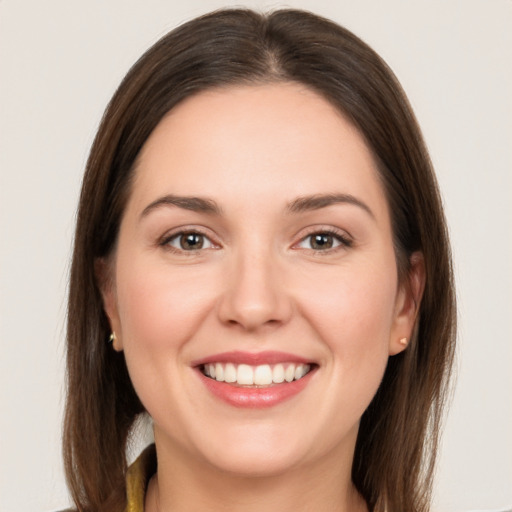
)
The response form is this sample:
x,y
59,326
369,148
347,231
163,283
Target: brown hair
x,y
396,446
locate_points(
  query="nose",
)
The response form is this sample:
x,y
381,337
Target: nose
x,y
254,294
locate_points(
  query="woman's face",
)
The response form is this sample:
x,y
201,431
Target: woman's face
x,y
256,248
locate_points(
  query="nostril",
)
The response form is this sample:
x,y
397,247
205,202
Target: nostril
x,y
252,299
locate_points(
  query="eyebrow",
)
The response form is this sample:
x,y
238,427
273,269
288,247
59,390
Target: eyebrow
x,y
195,204
298,205
318,201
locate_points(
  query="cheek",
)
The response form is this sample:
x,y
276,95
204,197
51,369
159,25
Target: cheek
x,y
354,318
159,310
356,305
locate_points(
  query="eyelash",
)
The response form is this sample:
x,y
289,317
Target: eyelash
x,y
344,242
168,238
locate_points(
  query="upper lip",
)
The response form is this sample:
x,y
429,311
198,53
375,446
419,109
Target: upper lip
x,y
251,358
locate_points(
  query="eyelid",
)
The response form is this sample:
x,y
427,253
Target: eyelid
x,y
345,239
164,240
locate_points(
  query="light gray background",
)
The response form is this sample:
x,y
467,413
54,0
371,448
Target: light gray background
x,y
60,62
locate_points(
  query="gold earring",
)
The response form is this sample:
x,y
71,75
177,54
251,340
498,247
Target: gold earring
x,y
112,337
403,341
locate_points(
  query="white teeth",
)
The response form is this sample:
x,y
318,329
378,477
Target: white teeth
x,y
219,372
230,373
245,375
261,375
289,373
278,374
299,371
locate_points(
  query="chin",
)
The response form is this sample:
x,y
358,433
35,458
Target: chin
x,y
253,452
255,463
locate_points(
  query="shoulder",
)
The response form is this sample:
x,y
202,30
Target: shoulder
x,y
138,476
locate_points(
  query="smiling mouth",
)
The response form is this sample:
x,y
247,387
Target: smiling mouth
x,y
264,375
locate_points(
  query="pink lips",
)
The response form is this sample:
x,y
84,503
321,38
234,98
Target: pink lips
x,y
253,397
253,359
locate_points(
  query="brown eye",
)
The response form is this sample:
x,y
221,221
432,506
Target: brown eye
x,y
188,241
321,241
324,241
191,241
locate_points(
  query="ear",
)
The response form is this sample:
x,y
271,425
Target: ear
x,y
407,304
104,277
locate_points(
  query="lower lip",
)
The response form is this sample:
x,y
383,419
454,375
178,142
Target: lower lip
x,y
255,398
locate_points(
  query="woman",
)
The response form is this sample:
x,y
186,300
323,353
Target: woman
x,y
261,239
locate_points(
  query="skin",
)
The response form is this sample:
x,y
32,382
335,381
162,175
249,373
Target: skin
x,y
257,284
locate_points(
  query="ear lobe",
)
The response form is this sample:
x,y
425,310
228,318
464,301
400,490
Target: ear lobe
x,y
407,304
103,271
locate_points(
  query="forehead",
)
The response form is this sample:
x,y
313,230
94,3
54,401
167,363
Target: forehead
x,y
256,141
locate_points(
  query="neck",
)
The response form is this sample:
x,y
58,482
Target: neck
x,y
183,484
